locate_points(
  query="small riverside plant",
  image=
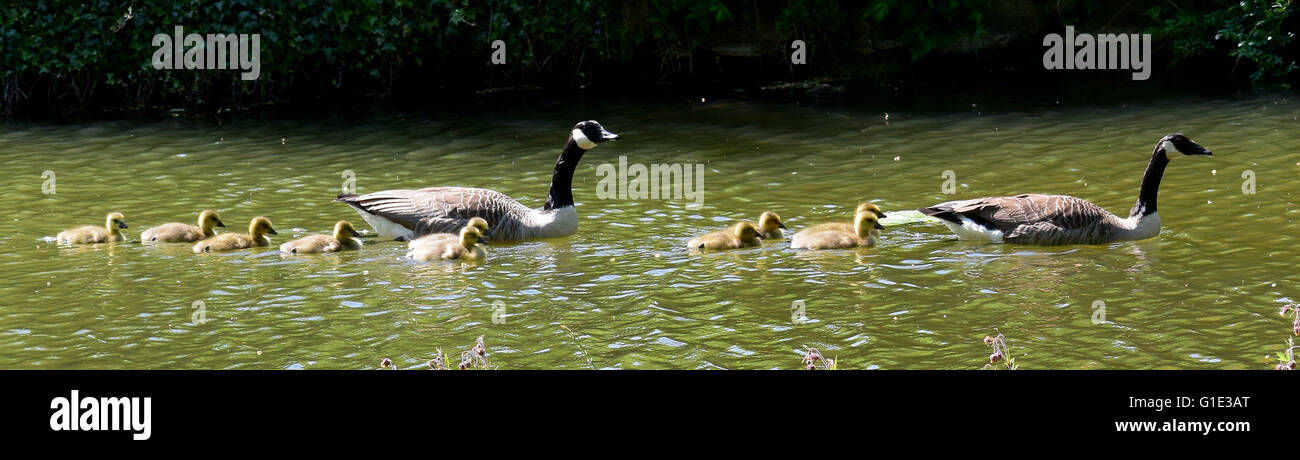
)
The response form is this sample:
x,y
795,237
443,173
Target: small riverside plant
x,y
812,356
1292,312
1286,358
473,358
1001,354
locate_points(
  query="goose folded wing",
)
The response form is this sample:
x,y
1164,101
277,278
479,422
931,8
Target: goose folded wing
x,y
404,207
1007,213
440,209
431,225
407,207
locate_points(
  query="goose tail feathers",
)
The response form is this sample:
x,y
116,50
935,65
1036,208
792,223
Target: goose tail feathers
x,y
942,211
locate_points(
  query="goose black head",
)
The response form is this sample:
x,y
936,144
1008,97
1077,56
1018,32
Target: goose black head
x,y
1177,143
588,134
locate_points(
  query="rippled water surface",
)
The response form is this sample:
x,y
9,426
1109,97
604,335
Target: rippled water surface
x,y
623,292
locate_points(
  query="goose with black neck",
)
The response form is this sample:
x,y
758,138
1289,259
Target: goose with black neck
x,y
1047,220
407,214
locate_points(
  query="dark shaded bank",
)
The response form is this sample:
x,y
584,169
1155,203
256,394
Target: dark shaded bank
x,y
61,56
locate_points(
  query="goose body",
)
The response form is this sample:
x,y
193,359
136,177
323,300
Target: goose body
x,y
258,228
344,238
865,232
407,214
844,227
465,246
176,232
1060,219
770,227
741,235
90,234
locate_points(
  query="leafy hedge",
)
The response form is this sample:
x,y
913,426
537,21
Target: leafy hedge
x,y
96,53
1258,31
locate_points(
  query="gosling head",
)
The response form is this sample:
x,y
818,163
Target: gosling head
x,y
588,134
115,222
481,225
769,221
260,227
209,219
471,236
1176,143
344,230
746,231
865,222
869,206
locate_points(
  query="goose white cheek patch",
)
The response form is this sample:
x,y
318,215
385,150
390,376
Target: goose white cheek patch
x,y
1170,151
582,140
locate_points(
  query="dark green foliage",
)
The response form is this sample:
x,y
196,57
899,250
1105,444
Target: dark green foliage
x,y
96,53
1252,30
929,24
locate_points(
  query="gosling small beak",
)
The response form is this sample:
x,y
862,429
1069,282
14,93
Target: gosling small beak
x,y
271,231
121,225
780,225
221,224
878,226
482,240
881,215
487,233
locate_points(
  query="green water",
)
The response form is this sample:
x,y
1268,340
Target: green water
x,y
1204,294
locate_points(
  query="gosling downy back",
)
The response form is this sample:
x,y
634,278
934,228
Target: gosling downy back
x,y
476,222
110,232
258,229
866,229
175,232
344,238
845,227
740,235
465,246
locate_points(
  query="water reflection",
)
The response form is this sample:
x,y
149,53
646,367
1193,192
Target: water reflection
x,y
628,295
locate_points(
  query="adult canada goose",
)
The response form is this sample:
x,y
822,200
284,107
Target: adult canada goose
x,y
345,238
465,247
1059,219
110,232
176,232
741,235
405,214
770,226
846,227
258,228
865,232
